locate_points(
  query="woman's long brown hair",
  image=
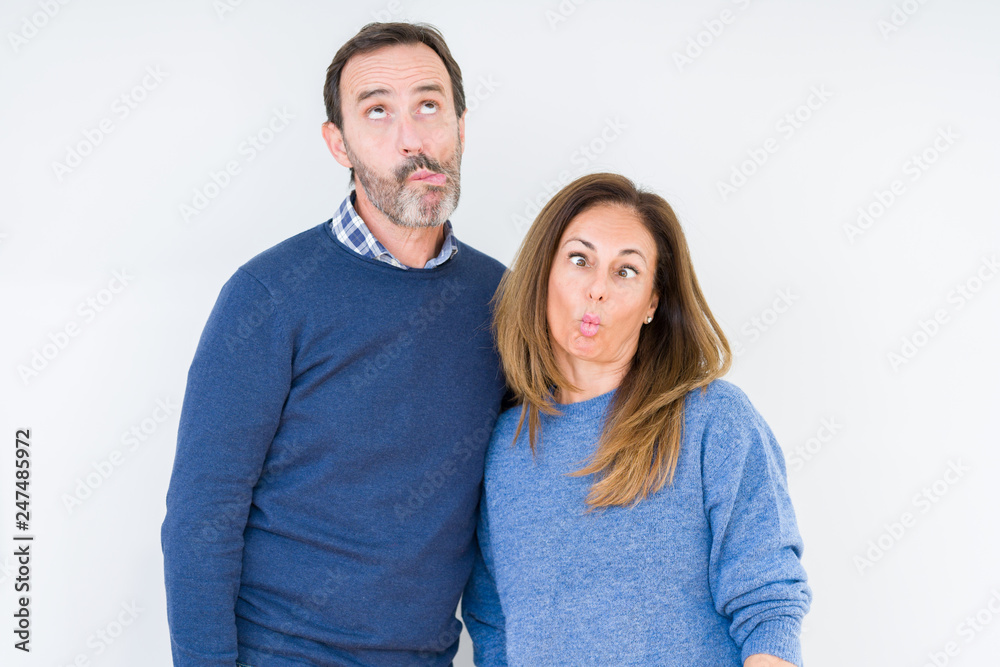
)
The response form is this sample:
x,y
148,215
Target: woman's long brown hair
x,y
682,349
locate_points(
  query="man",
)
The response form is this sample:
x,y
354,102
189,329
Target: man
x,y
322,505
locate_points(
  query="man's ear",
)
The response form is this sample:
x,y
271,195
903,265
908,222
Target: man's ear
x,y
461,128
335,142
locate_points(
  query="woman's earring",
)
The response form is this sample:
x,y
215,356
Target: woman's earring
x,y
649,319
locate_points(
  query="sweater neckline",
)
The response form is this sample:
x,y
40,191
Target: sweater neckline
x,y
378,265
587,409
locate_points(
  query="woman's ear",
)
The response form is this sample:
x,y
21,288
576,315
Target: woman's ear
x,y
653,303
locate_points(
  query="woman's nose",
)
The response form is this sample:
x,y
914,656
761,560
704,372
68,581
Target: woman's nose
x,y
598,289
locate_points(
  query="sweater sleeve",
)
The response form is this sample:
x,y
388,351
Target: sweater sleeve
x,y
755,572
481,608
236,388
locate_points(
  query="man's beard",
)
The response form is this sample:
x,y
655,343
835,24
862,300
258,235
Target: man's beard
x,y
404,204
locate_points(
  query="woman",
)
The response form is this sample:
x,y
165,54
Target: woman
x,y
646,521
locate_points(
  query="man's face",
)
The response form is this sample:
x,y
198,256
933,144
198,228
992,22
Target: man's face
x,y
400,134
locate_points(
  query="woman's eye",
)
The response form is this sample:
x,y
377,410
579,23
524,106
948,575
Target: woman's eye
x,y
376,112
627,272
579,260
429,107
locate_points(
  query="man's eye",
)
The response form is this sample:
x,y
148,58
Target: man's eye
x,y
579,260
429,107
627,272
376,112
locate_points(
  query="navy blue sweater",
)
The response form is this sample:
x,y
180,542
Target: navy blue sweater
x,y
322,507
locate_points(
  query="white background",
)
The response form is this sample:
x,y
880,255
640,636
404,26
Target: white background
x,y
544,81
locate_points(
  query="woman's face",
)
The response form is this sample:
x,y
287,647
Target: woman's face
x,y
601,286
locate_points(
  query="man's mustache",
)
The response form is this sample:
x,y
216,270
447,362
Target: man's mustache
x,y
415,162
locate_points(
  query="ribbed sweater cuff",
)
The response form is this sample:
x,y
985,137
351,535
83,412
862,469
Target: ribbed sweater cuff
x,y
777,637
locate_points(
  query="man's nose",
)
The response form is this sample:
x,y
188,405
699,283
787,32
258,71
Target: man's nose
x,y
410,137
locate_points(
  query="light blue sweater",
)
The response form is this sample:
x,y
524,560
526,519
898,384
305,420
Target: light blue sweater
x,y
705,572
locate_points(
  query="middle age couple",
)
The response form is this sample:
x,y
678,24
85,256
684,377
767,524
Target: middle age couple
x,y
628,508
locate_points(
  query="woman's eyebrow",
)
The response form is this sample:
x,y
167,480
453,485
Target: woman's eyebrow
x,y
575,238
632,251
624,251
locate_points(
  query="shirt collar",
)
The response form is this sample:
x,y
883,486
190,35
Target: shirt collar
x,y
348,228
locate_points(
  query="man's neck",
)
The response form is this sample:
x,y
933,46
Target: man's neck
x,y
412,246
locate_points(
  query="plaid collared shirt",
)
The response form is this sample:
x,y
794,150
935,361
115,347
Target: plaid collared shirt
x,y
351,230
